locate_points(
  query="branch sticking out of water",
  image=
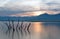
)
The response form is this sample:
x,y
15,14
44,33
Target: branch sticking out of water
x,y
19,27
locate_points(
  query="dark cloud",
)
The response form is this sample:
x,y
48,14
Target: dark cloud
x,y
7,11
16,7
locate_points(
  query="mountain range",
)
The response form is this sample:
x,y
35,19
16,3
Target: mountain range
x,y
41,18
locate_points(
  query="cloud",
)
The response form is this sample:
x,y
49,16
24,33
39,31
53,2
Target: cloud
x,y
15,7
27,5
53,1
24,6
9,11
51,6
24,14
3,2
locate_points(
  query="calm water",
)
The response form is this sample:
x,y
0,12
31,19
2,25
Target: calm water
x,y
36,30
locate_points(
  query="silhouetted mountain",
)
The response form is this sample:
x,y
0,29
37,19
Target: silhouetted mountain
x,y
43,18
48,17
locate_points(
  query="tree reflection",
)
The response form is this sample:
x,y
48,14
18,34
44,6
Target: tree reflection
x,y
20,28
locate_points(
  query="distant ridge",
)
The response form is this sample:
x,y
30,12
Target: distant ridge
x,y
43,18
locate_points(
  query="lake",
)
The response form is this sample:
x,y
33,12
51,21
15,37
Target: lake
x,y
29,30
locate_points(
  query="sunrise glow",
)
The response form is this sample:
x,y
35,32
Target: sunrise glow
x,y
36,13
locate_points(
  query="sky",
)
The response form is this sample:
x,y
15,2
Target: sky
x,y
29,7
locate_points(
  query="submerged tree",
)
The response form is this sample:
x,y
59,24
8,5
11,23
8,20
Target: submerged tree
x,y
20,27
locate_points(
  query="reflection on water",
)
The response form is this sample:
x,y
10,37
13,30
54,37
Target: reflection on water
x,y
29,30
37,27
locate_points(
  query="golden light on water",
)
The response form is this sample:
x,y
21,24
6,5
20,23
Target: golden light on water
x,y
37,27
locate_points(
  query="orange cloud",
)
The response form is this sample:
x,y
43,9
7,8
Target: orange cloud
x,y
24,14
36,13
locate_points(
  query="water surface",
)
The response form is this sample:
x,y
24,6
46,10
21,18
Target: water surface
x,y
36,30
